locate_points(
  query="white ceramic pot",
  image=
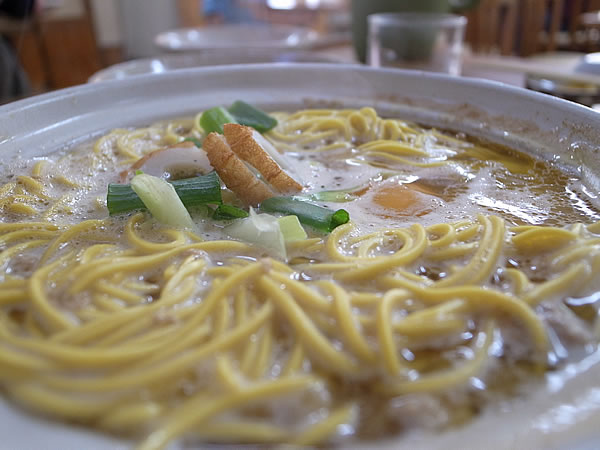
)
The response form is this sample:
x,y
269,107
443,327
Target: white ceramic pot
x,y
177,61
562,415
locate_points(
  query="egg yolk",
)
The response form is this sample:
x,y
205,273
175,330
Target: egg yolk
x,y
404,199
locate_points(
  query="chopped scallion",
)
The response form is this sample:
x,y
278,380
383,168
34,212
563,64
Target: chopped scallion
x,y
318,217
162,201
202,190
337,196
291,229
121,198
260,229
248,115
213,119
228,212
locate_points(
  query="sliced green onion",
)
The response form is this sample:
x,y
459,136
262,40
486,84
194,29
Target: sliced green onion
x,y
229,212
162,201
121,198
213,119
248,115
259,229
197,142
318,217
336,196
202,190
291,229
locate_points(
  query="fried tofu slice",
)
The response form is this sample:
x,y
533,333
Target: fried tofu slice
x,y
234,172
243,141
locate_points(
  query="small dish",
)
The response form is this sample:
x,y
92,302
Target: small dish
x,y
587,94
237,36
170,62
589,63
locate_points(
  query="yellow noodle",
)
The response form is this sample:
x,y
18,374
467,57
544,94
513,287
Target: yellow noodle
x,y
161,373
106,303
196,411
445,234
53,319
69,235
64,180
577,273
26,234
20,208
249,355
50,402
131,415
484,261
247,431
536,239
147,246
448,378
5,255
295,359
319,432
349,328
227,375
454,251
307,296
409,252
385,331
305,329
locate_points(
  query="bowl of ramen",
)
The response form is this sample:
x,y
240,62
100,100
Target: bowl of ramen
x,y
323,255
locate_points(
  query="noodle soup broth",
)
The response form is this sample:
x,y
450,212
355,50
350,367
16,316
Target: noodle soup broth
x,y
466,273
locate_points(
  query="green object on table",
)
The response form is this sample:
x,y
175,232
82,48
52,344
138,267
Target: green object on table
x,y
362,8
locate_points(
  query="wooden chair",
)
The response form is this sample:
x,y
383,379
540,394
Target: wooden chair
x,y
584,25
492,27
26,37
540,26
57,51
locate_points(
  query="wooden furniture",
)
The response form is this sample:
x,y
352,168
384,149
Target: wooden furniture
x,y
541,21
492,27
549,25
56,50
26,37
71,46
589,31
190,13
528,27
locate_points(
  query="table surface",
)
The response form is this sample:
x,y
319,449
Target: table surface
x,y
507,69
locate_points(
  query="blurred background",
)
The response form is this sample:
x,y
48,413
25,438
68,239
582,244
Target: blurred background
x,y
52,44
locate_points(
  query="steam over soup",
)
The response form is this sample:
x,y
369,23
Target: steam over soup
x,y
466,269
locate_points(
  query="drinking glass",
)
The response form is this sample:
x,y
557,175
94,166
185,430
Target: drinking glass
x,y
422,41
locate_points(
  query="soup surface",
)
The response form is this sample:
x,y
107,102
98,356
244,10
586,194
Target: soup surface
x,y
467,271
